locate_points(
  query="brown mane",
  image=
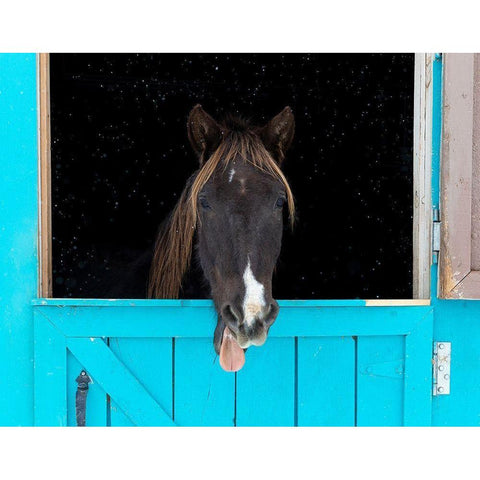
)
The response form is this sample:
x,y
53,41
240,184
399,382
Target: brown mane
x,y
173,247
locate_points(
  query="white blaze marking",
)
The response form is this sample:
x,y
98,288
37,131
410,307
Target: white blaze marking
x,y
230,175
254,296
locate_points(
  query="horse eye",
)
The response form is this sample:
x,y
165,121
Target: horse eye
x,y
204,202
280,202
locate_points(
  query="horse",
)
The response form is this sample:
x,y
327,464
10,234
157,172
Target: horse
x,y
230,216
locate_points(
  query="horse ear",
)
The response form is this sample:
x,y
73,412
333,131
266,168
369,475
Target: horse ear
x,y
277,134
204,132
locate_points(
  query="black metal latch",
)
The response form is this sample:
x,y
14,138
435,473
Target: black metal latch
x,y
81,397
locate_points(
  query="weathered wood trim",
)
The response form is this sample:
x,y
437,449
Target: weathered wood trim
x,y
456,179
44,161
468,287
422,175
396,303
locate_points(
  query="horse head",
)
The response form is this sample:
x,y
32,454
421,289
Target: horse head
x,y
235,202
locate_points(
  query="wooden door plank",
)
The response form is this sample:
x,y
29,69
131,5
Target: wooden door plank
x,y
380,380
326,381
204,393
266,385
50,379
112,375
150,361
418,373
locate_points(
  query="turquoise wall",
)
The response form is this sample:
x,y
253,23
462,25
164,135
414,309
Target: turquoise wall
x,y
458,322
18,234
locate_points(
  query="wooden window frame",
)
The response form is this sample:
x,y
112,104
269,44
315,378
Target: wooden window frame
x,y
422,174
457,279
422,223
44,177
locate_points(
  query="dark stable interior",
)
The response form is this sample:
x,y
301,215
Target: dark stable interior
x,y
120,159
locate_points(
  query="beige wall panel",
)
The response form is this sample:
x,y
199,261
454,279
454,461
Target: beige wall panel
x,y
460,178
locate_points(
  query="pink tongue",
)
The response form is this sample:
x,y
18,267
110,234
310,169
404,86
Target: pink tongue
x,y
232,356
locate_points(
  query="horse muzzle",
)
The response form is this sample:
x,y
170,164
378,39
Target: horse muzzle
x,y
250,330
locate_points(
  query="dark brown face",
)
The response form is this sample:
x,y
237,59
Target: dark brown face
x,y
239,240
240,209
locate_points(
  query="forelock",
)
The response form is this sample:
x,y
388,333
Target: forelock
x,y
243,146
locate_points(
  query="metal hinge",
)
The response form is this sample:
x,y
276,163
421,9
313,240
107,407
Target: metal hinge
x,y
436,235
442,354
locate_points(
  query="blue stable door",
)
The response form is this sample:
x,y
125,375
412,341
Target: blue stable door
x,y
325,363
152,362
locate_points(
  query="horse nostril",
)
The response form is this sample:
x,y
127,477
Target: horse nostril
x,y
231,314
272,313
